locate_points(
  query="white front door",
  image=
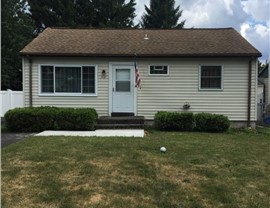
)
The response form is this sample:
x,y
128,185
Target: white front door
x,y
123,89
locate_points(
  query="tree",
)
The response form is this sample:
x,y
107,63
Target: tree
x,y
54,13
114,13
84,13
17,31
81,13
261,66
162,14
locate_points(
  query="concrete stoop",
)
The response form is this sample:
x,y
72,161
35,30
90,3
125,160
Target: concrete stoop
x,y
129,122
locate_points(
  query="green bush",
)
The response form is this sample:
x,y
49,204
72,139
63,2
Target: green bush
x,y
76,119
36,119
211,122
204,122
174,121
30,119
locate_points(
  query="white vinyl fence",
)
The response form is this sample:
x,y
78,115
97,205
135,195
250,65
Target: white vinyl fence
x,y
9,100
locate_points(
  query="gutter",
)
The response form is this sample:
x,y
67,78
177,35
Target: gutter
x,y
249,91
140,55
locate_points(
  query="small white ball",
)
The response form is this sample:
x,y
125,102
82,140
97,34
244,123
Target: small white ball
x,y
163,149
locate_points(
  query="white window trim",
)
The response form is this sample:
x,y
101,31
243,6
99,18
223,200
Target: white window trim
x,y
168,71
61,94
211,89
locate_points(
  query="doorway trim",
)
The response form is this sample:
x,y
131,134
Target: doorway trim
x,y
111,65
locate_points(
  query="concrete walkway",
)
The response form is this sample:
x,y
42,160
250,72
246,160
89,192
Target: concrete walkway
x,y
97,133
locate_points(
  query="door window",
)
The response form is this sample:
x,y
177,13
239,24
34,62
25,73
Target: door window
x,y
122,80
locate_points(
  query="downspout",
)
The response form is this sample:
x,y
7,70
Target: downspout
x,y
30,83
249,91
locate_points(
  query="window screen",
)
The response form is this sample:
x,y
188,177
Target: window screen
x,y
211,77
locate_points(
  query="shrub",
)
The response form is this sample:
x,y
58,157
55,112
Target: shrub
x,y
76,119
174,121
206,122
30,119
211,122
36,119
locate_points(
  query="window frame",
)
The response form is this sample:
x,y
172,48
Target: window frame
x,y
221,80
154,65
68,94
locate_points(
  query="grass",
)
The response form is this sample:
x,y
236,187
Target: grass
x,y
198,170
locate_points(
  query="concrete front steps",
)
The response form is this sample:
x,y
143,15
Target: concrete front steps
x,y
129,122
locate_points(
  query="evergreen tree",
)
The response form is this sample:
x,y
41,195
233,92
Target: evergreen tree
x,y
114,13
17,31
261,66
82,13
54,13
162,14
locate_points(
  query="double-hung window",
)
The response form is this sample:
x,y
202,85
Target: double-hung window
x,y
210,78
68,80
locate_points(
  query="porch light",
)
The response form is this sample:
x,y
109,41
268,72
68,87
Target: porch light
x,y
103,74
146,37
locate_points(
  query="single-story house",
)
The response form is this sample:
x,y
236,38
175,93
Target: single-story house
x,y
183,70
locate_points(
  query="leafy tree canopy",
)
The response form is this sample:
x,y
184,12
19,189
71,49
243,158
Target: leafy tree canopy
x,y
17,31
162,14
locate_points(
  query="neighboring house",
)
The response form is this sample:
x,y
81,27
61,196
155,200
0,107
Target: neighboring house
x,y
260,92
264,80
260,100
213,70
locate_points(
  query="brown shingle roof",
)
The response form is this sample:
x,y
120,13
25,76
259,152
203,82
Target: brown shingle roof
x,y
127,42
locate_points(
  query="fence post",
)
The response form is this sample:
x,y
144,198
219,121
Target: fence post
x,y
1,102
9,98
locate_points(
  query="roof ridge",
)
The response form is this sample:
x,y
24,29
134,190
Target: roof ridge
x,y
154,29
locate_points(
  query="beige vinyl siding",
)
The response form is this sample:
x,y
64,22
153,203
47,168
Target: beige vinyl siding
x,y
99,102
25,82
169,93
161,93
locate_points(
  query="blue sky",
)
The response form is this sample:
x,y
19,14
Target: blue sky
x,y
251,18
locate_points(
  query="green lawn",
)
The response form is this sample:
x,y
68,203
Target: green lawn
x,y
198,170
